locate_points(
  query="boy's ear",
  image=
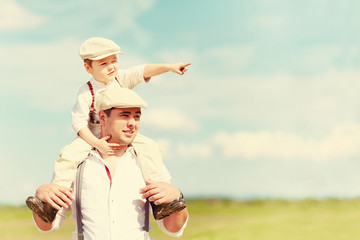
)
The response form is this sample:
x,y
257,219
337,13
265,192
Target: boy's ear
x,y
88,67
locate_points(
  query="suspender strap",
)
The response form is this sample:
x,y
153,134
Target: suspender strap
x,y
79,176
147,206
118,82
92,108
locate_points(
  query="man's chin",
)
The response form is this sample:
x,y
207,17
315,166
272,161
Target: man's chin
x,y
128,140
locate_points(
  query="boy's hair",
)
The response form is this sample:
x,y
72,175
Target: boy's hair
x,y
88,61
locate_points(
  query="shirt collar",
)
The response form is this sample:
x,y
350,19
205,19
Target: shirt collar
x,y
100,84
95,153
96,83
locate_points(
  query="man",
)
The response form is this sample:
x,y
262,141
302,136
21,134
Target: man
x,y
112,207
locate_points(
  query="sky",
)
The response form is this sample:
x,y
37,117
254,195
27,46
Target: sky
x,y
268,109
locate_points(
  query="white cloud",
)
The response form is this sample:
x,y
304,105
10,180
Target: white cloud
x,y
164,145
15,17
187,151
279,102
342,141
49,76
230,57
315,57
193,151
126,18
171,119
180,55
271,22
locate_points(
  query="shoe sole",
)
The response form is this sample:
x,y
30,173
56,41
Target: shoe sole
x,y
164,210
34,204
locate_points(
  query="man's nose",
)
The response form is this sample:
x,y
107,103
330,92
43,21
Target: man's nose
x,y
131,122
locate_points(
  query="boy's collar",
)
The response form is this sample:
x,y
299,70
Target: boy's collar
x,y
100,84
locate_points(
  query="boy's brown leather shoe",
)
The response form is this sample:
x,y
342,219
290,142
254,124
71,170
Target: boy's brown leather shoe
x,y
163,210
46,212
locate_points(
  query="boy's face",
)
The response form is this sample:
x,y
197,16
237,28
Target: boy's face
x,y
122,124
104,70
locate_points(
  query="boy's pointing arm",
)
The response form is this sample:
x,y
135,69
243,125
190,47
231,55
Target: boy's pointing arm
x,y
151,70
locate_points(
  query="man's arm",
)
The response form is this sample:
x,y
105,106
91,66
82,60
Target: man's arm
x,y
176,221
54,225
151,70
163,192
56,196
41,224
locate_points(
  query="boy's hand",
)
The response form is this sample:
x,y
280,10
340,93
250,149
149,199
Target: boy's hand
x,y
180,68
160,192
57,196
107,148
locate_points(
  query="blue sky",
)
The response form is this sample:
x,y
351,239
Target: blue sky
x,y
269,107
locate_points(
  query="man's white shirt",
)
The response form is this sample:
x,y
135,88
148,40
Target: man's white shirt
x,y
112,209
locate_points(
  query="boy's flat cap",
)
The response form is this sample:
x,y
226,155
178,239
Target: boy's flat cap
x,y
119,97
96,48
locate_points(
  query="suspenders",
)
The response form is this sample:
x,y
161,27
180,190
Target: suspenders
x,y
92,107
78,180
79,176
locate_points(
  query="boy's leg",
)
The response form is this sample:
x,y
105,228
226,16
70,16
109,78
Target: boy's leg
x,y
64,171
153,168
70,157
149,155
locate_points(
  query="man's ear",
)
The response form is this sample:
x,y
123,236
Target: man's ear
x,y
102,117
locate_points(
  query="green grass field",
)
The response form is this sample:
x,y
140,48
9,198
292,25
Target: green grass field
x,y
330,219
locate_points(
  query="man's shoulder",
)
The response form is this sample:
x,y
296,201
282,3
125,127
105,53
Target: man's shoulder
x,y
94,153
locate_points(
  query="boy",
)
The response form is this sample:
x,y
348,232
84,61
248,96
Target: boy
x,y
100,60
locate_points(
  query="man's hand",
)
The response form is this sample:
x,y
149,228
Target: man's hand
x,y
160,192
56,195
180,68
107,148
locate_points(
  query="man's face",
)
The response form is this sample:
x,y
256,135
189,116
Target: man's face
x,y
104,70
122,124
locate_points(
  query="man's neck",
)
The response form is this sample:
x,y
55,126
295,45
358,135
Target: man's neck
x,y
118,153
111,161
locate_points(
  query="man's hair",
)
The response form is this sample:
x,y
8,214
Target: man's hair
x,y
88,61
108,112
